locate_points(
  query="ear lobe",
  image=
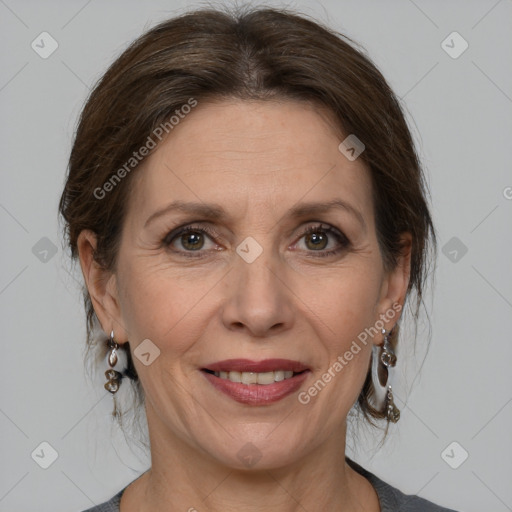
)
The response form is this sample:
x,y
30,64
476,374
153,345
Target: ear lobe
x,y
101,285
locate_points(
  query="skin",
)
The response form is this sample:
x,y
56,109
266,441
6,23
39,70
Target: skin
x,y
257,160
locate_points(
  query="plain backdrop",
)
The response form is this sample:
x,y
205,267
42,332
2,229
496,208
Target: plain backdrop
x,y
453,442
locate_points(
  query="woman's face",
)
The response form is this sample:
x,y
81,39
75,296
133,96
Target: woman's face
x,y
255,286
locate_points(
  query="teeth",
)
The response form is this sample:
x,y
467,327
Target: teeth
x,y
279,375
255,378
265,378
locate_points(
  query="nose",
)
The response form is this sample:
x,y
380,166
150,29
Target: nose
x,y
259,301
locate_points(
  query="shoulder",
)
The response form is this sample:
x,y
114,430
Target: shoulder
x,y
112,505
392,499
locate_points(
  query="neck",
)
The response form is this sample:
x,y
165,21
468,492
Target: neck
x,y
183,478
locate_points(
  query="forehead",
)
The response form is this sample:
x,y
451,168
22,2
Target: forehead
x,y
257,157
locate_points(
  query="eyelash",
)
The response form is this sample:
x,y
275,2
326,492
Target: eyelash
x,y
319,228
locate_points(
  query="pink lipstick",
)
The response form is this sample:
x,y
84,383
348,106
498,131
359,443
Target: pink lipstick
x,y
256,382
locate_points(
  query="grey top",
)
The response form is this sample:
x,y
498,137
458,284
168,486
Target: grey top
x,y
390,498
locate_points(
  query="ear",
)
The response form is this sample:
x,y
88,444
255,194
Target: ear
x,y
395,284
102,287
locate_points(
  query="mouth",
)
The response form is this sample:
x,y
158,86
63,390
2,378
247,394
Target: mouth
x,y
260,378
256,382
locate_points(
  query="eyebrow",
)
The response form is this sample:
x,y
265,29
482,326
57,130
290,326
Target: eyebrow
x,y
216,212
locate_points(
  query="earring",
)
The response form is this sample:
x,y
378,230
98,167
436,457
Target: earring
x,y
383,392
113,377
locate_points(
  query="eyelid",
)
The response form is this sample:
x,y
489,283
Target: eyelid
x,y
196,226
343,240
206,227
203,227
322,226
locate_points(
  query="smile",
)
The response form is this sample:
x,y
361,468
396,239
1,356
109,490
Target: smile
x,y
263,378
256,383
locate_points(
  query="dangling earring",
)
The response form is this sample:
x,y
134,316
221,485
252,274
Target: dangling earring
x,y
113,377
383,392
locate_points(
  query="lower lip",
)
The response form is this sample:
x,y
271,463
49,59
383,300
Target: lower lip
x,y
257,394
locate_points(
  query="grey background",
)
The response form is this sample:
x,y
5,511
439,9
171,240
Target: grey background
x,y
462,121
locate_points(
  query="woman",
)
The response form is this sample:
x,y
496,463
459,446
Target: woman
x,y
249,213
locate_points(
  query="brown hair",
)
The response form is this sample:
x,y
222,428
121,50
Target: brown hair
x,y
248,54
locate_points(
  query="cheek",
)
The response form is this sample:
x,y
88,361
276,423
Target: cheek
x,y
157,304
144,300
348,303
154,307
346,309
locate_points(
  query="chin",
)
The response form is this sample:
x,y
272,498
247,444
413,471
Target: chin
x,y
253,455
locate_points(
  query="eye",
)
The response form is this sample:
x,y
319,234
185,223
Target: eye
x,y
317,238
191,239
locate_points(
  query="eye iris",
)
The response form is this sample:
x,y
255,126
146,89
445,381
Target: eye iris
x,y
316,239
192,240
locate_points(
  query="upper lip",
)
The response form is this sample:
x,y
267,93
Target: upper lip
x,y
247,365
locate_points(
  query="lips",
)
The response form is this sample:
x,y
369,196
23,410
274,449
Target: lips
x,y
251,393
247,365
